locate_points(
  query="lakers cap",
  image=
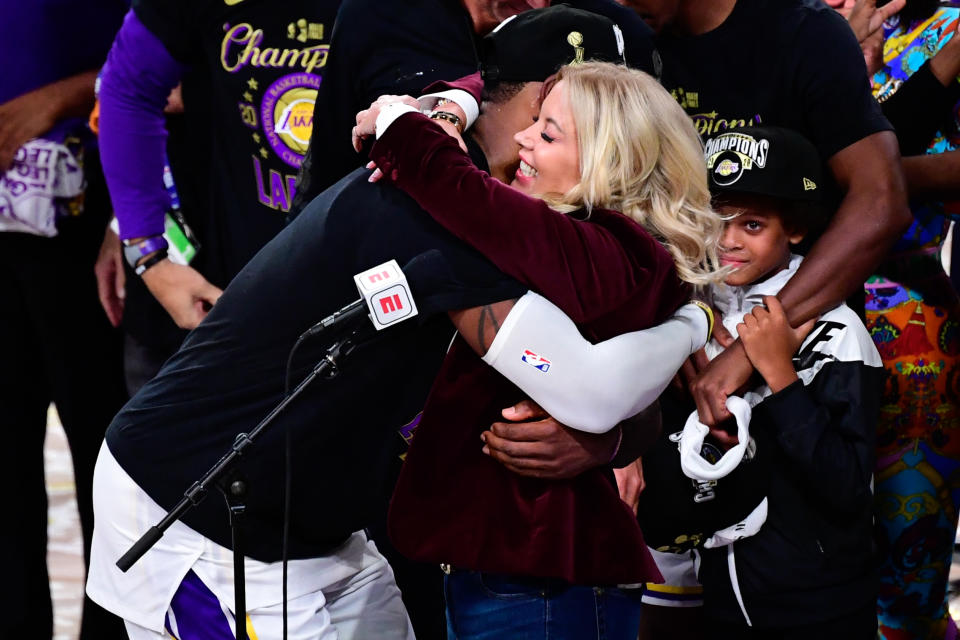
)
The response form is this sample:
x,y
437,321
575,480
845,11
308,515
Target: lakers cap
x,y
769,161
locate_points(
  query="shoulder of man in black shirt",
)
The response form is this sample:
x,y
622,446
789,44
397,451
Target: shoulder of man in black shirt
x,y
395,47
639,48
790,63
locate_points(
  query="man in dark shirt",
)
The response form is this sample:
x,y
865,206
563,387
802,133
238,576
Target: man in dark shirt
x,y
249,73
791,63
230,373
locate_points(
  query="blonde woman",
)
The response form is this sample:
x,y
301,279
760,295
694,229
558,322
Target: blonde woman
x,y
607,216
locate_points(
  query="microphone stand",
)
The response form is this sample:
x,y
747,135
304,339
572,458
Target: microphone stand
x,y
235,491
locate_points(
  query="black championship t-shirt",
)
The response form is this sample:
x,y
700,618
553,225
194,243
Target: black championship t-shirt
x,y
788,63
229,373
255,69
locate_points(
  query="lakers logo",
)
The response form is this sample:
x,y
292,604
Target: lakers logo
x,y
293,115
727,168
287,115
729,155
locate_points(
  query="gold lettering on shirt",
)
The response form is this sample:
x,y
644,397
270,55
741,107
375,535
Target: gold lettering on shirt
x,y
241,48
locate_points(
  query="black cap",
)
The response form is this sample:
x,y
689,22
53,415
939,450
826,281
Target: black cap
x,y
676,513
531,46
769,161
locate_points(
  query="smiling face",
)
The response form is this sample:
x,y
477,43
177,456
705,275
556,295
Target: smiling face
x,y
549,152
755,242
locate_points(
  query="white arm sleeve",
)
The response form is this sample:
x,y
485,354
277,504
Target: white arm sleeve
x,y
591,387
463,99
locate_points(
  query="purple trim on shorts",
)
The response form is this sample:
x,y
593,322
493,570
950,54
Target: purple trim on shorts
x,y
197,612
673,597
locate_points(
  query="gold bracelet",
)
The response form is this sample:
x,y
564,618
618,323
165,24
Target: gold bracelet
x,y
707,309
452,118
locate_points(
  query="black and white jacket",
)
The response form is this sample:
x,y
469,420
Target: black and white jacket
x,y
812,558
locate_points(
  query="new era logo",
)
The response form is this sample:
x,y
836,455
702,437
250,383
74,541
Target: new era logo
x,y
809,185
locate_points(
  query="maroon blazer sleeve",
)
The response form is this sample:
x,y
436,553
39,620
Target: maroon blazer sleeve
x,y
579,265
472,84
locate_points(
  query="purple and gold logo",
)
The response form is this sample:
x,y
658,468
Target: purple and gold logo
x,y
287,115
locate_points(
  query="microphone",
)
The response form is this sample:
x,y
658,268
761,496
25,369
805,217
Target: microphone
x,y
385,300
387,295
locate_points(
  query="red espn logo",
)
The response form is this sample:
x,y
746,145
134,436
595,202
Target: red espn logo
x,y
391,304
378,277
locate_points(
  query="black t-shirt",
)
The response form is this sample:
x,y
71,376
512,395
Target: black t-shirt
x,y
255,69
400,47
229,373
789,63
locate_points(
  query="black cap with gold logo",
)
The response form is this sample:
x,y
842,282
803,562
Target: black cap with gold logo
x,y
531,46
770,161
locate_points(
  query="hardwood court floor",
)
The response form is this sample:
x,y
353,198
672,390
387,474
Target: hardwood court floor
x,y
65,547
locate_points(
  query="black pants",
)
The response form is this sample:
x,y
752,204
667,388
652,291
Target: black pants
x,y
57,346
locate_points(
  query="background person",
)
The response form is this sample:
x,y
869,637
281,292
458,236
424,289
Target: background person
x,y
58,346
248,91
912,311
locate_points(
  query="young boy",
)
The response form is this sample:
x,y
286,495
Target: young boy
x,y
806,569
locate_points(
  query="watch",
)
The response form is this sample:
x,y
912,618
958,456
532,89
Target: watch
x,y
452,118
133,252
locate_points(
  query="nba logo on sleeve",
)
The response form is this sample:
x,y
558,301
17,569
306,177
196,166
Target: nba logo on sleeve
x,y
536,361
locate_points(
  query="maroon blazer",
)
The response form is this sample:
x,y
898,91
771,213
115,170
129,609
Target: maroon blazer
x,y
452,503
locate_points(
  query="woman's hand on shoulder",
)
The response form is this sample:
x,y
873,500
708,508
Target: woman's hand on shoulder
x,y
367,119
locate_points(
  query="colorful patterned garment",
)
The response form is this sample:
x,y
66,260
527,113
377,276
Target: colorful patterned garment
x,y
913,314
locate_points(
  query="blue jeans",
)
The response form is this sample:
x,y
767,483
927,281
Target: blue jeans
x,y
482,606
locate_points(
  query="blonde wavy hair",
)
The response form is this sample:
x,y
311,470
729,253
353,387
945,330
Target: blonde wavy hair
x,y
640,155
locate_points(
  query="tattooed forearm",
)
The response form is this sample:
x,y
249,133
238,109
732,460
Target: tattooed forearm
x,y
486,313
479,325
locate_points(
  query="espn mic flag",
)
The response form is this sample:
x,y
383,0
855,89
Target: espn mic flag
x,y
386,293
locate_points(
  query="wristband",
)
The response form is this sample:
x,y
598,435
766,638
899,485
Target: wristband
x,y
149,262
707,309
452,118
136,251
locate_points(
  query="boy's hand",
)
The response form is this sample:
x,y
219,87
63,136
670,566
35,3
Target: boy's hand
x,y
770,342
